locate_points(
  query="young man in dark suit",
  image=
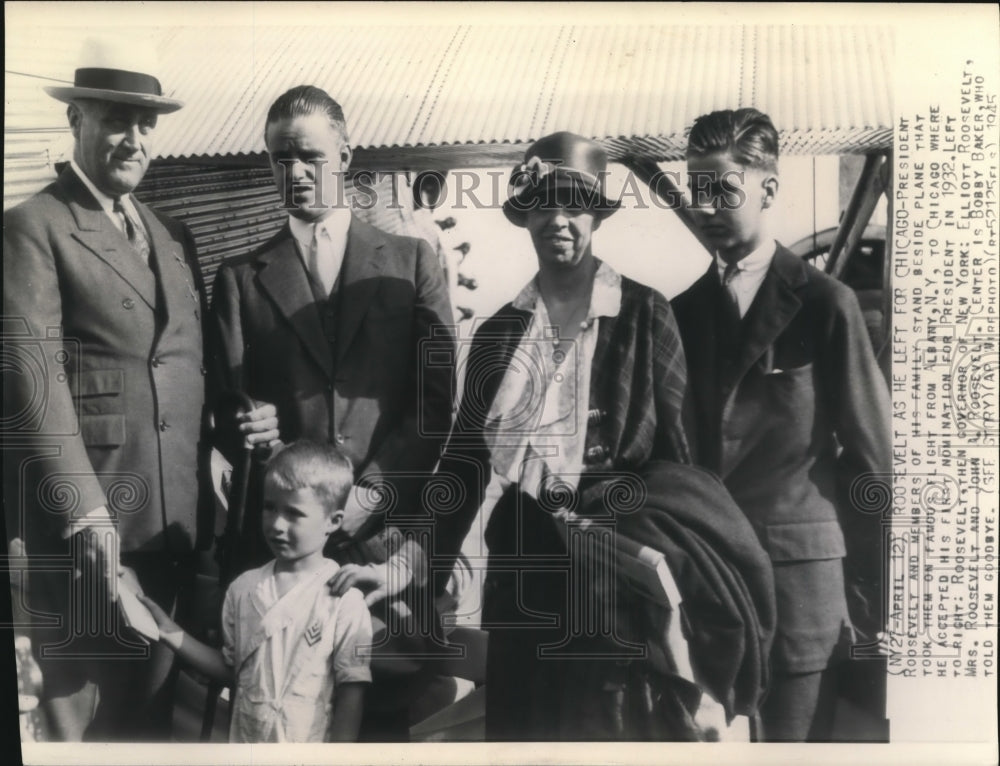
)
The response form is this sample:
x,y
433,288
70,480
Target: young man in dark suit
x,y
787,405
326,327
102,406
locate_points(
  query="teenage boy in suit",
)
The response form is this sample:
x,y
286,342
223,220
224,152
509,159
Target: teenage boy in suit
x,y
786,403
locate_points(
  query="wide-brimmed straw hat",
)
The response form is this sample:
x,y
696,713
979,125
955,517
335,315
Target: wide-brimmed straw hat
x,y
111,71
561,169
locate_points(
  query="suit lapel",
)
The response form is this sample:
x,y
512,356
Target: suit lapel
x,y
363,261
702,350
167,255
284,280
97,233
773,308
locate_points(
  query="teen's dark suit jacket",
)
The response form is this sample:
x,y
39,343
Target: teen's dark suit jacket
x,y
791,420
110,385
383,391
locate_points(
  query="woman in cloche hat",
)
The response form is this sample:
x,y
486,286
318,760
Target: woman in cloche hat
x,y
580,375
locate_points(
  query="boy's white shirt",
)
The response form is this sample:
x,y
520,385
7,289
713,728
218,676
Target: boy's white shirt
x,y
289,653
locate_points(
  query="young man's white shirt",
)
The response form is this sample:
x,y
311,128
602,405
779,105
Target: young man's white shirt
x,y
331,243
750,273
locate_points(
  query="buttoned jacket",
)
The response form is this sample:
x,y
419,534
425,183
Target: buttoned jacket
x,y
105,405
383,390
796,422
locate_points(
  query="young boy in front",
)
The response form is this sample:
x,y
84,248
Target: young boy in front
x,y
291,649
787,405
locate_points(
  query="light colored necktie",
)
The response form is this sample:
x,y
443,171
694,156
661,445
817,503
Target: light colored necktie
x,y
727,284
134,230
320,265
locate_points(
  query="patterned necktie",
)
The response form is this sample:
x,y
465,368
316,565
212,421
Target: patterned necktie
x,y
134,231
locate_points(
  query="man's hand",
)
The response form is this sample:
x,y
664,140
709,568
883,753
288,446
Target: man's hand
x,y
259,426
376,581
100,547
371,579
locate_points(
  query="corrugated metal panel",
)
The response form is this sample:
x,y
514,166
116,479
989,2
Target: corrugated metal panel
x,y
233,210
382,95
230,210
443,86
36,136
28,165
465,96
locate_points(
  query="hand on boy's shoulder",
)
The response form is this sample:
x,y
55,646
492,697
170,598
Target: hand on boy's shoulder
x,y
370,579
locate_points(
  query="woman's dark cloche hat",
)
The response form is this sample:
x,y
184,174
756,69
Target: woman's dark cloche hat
x,y
558,162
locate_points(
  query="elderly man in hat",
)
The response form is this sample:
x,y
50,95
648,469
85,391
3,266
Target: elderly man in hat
x,y
103,410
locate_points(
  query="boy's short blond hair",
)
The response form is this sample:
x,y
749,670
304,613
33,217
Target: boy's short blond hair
x,y
311,465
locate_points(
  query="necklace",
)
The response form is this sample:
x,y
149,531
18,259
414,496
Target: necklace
x,y
569,314
560,344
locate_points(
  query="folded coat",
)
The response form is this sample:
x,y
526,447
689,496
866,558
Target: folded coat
x,y
723,574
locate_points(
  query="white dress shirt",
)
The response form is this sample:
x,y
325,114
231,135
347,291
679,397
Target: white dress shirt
x,y
331,243
108,203
750,273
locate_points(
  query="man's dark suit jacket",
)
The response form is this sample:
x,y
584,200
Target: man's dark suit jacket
x,y
107,395
790,421
386,399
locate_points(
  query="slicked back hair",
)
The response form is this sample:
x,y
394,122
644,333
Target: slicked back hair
x,y
305,100
747,135
312,465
